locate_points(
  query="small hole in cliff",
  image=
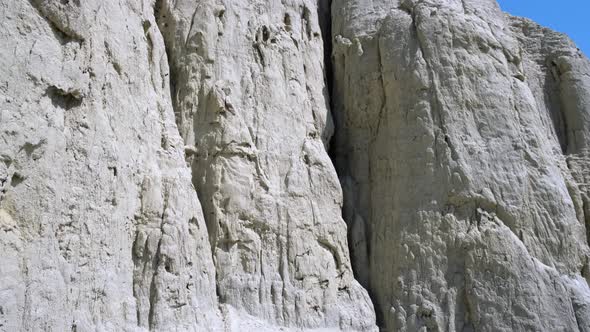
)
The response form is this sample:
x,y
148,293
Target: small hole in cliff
x,y
16,179
306,160
221,13
113,169
448,140
265,33
32,150
64,99
146,26
168,266
287,22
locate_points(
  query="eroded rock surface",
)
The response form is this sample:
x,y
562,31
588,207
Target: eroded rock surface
x,y
100,227
164,167
461,142
252,106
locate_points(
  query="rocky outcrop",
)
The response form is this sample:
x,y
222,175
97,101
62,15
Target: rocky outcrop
x,y
100,227
251,105
164,166
558,76
464,212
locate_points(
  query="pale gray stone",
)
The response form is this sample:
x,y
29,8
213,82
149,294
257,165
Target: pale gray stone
x,y
164,167
252,105
100,227
449,120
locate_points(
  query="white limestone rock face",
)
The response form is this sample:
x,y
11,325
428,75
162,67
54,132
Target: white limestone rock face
x,y
164,167
462,145
558,75
100,227
252,105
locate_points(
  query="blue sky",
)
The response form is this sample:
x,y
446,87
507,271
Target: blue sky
x,y
567,16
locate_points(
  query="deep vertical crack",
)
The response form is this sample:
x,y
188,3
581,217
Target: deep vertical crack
x,y
324,15
325,20
161,16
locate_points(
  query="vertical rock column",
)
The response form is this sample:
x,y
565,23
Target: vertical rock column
x,y
458,197
252,105
559,77
100,227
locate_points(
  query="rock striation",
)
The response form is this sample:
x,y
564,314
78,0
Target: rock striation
x,y
462,144
252,106
100,227
165,166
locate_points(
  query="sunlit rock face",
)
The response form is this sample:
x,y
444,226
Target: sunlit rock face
x,y
251,101
100,227
462,140
165,166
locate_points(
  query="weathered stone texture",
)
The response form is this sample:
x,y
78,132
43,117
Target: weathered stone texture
x,y
252,106
448,142
100,227
164,167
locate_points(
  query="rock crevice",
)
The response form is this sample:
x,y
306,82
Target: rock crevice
x,y
271,199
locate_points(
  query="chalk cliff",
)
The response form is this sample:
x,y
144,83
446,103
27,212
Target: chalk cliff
x,y
266,165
